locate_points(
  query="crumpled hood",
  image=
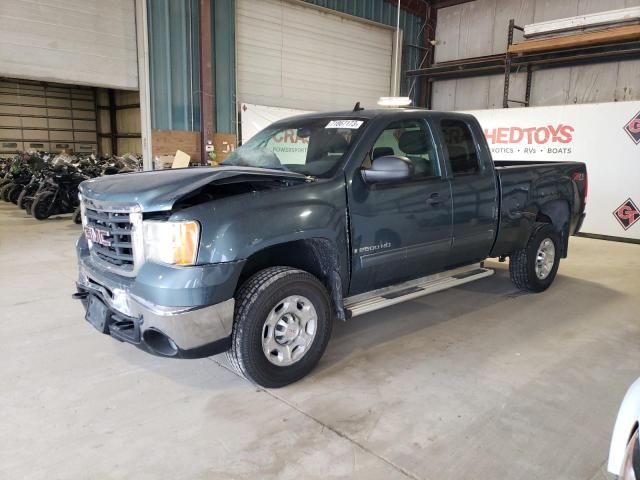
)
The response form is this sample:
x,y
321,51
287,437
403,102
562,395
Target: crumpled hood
x,y
158,190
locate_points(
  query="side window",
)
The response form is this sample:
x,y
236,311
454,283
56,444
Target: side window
x,y
460,146
411,139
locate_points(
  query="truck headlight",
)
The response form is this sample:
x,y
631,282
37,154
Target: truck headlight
x,y
174,243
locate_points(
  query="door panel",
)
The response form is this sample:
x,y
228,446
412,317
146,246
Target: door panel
x,y
474,192
397,235
401,231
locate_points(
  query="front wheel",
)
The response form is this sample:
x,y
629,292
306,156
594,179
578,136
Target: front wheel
x,y
282,326
77,216
42,205
14,193
24,194
4,191
535,266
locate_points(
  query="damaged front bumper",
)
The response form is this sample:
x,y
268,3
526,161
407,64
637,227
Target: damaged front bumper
x,y
112,307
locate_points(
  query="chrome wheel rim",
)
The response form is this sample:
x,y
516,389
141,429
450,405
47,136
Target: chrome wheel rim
x,y
289,330
545,258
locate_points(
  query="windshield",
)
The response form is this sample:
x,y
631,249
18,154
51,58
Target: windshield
x,y
314,147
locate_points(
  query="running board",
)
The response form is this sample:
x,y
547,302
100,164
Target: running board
x,y
385,297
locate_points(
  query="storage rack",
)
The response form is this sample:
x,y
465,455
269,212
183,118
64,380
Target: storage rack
x,y
508,63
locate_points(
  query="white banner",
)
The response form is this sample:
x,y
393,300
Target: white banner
x,y
256,117
605,136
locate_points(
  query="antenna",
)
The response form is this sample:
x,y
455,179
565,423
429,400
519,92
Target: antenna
x,y
357,107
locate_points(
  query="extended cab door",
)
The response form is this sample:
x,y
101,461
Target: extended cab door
x,y
473,187
400,231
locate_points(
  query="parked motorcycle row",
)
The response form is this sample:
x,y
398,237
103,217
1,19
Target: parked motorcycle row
x,y
44,184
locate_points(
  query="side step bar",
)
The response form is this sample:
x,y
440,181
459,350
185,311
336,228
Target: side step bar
x,y
385,297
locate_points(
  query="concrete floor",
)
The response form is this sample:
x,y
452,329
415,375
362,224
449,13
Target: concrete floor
x,y
479,382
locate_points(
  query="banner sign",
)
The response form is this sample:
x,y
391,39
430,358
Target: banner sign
x,y
605,136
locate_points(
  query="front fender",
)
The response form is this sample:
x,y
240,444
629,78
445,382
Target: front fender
x,y
234,228
628,418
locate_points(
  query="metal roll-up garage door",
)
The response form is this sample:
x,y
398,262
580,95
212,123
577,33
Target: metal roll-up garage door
x,y
309,58
46,117
83,42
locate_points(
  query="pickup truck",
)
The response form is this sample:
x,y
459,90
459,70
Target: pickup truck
x,y
316,218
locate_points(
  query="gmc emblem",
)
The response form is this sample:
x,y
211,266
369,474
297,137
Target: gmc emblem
x,y
97,235
633,128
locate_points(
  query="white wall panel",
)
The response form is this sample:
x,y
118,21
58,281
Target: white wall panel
x,y
85,42
302,57
444,95
480,28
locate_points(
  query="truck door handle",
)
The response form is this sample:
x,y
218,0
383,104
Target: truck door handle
x,y
434,199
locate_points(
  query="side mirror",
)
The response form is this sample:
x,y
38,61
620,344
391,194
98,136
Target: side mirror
x,y
388,169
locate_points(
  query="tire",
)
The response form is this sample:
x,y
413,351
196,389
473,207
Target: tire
x,y
22,198
77,219
42,207
27,206
265,297
14,193
527,271
4,191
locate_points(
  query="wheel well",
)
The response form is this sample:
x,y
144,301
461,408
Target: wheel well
x,y
557,213
316,256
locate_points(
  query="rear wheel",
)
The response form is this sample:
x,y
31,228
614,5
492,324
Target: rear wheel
x,y
28,203
535,266
282,326
22,197
42,205
77,218
4,191
14,193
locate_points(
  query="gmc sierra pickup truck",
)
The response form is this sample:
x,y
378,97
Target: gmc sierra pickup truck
x,y
316,218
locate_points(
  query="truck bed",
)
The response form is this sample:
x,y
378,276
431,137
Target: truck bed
x,y
528,189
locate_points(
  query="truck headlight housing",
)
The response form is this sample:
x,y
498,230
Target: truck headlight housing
x,y
174,243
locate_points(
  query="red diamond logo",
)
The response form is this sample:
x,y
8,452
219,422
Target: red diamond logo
x,y
633,128
627,214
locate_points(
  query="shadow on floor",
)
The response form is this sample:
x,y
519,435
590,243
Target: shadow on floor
x,y
368,331
373,329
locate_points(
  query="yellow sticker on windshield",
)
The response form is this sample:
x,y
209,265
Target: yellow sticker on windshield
x,y
351,124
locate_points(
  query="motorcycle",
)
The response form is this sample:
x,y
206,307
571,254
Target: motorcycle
x,y
59,193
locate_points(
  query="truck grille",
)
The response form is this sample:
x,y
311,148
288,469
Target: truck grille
x,y
118,229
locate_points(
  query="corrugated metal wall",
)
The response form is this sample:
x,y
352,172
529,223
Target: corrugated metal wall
x,y
173,50
174,64
382,11
224,69
81,42
480,28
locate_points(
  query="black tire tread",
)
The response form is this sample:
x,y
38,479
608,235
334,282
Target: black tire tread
x,y
519,262
246,296
14,193
40,198
4,191
21,198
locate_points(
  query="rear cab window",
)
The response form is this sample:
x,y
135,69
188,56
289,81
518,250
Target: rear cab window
x,y
460,147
